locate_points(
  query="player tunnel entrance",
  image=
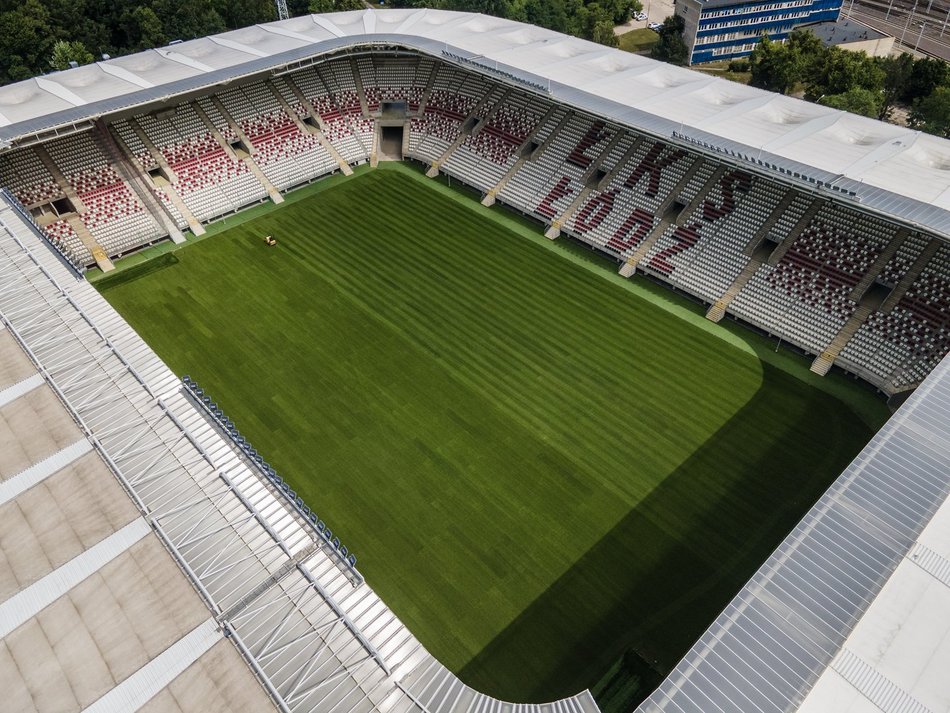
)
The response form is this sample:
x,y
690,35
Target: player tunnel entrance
x,y
391,142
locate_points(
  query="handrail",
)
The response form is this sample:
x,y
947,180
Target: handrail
x,y
343,557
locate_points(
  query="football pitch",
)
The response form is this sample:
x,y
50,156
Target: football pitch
x,y
542,471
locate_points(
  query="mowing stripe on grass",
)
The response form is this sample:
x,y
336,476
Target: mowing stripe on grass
x,y
539,468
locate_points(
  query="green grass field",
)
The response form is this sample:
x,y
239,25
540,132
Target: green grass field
x,y
639,40
539,467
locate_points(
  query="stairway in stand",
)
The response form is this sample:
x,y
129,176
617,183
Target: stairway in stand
x,y
629,268
911,275
718,309
85,237
824,361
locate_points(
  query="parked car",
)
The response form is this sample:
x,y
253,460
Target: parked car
x,y
655,26
640,16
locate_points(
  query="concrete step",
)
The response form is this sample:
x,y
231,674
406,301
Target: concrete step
x,y
271,189
620,165
769,223
911,275
489,198
800,226
702,192
630,267
871,275
718,309
428,90
822,364
364,107
482,122
60,179
85,237
554,230
680,185
133,174
824,361
193,224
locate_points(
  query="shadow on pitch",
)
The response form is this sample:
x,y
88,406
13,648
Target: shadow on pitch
x,y
653,584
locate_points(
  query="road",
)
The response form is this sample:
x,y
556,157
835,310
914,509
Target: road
x,y
656,10
923,26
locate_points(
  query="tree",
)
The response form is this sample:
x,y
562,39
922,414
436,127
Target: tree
x,y
858,101
774,66
544,13
26,41
926,76
593,22
142,28
318,6
246,12
897,71
671,47
808,52
604,33
841,71
95,23
932,113
620,10
498,8
64,53
186,19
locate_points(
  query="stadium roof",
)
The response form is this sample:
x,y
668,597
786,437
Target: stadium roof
x,y
851,614
882,167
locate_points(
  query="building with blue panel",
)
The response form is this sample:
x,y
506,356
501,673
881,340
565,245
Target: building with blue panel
x,y
728,29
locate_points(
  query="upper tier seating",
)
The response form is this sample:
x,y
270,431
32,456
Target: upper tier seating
x,y
393,79
286,154
705,254
138,150
111,211
902,260
902,346
338,106
486,154
209,180
546,184
25,175
806,295
619,217
453,97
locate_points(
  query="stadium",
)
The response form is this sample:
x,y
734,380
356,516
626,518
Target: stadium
x,y
430,362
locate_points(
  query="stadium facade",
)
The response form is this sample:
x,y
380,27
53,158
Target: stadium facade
x,y
827,229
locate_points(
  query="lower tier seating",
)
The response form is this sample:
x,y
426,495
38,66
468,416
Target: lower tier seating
x,y
705,223
903,345
806,295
